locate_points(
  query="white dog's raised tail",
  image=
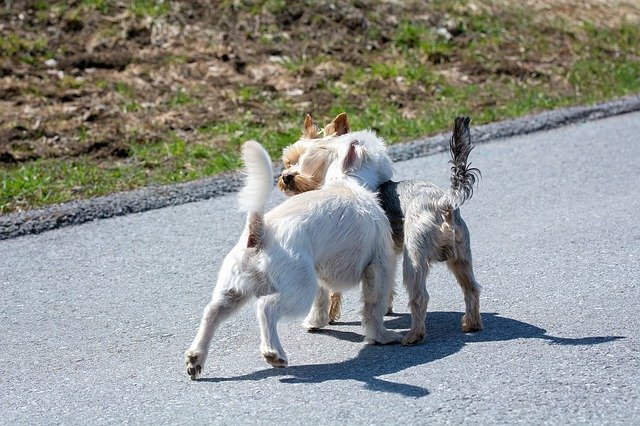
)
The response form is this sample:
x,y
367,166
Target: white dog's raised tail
x,y
259,181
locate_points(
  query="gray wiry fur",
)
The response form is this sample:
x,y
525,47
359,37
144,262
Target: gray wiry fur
x,y
425,233
427,227
395,195
463,176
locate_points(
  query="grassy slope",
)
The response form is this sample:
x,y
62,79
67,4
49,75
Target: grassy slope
x,y
407,81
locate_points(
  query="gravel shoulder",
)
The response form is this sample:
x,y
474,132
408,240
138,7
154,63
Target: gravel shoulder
x,y
155,197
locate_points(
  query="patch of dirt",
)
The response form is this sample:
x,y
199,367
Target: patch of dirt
x,y
86,82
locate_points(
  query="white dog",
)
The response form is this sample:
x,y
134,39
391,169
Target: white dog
x,y
334,238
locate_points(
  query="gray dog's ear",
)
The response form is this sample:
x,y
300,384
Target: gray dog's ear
x,y
309,129
339,126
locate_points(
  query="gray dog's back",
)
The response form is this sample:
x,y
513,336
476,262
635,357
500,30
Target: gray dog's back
x,y
398,199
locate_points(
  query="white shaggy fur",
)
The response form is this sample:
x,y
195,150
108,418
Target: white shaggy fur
x,y
255,194
372,167
334,238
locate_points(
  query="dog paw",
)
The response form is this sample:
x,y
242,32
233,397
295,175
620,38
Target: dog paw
x,y
470,324
275,360
388,337
315,323
313,328
412,337
194,361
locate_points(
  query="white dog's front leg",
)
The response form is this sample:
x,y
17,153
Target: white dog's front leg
x,y
375,292
318,316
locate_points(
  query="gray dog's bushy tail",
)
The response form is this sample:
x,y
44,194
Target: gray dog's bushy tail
x,y
463,176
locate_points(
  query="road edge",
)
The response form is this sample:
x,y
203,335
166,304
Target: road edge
x,y
154,197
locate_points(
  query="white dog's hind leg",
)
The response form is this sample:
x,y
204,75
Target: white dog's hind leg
x,y
222,305
319,315
269,312
375,293
296,288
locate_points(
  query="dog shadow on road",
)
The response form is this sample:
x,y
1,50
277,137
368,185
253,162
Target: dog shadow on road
x,y
443,339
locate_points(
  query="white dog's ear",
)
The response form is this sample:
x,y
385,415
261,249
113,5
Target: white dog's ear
x,y
353,157
339,126
309,130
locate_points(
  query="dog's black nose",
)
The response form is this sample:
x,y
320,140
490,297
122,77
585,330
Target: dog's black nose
x,y
287,179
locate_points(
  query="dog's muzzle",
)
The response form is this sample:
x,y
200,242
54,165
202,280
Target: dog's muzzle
x,y
288,179
287,183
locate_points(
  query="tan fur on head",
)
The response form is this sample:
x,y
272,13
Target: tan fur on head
x,y
309,130
337,127
291,154
297,178
303,176
364,154
299,184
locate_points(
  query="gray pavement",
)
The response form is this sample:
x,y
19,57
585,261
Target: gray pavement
x,y
95,318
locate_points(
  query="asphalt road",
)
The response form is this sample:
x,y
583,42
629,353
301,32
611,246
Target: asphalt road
x,y
94,319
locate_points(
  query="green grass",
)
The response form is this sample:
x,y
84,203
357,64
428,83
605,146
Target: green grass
x,y
128,96
175,160
101,6
606,64
49,181
69,82
40,5
124,90
130,106
180,97
151,8
152,162
612,77
26,50
176,59
236,132
256,6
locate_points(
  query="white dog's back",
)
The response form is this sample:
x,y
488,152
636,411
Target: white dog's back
x,y
343,228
